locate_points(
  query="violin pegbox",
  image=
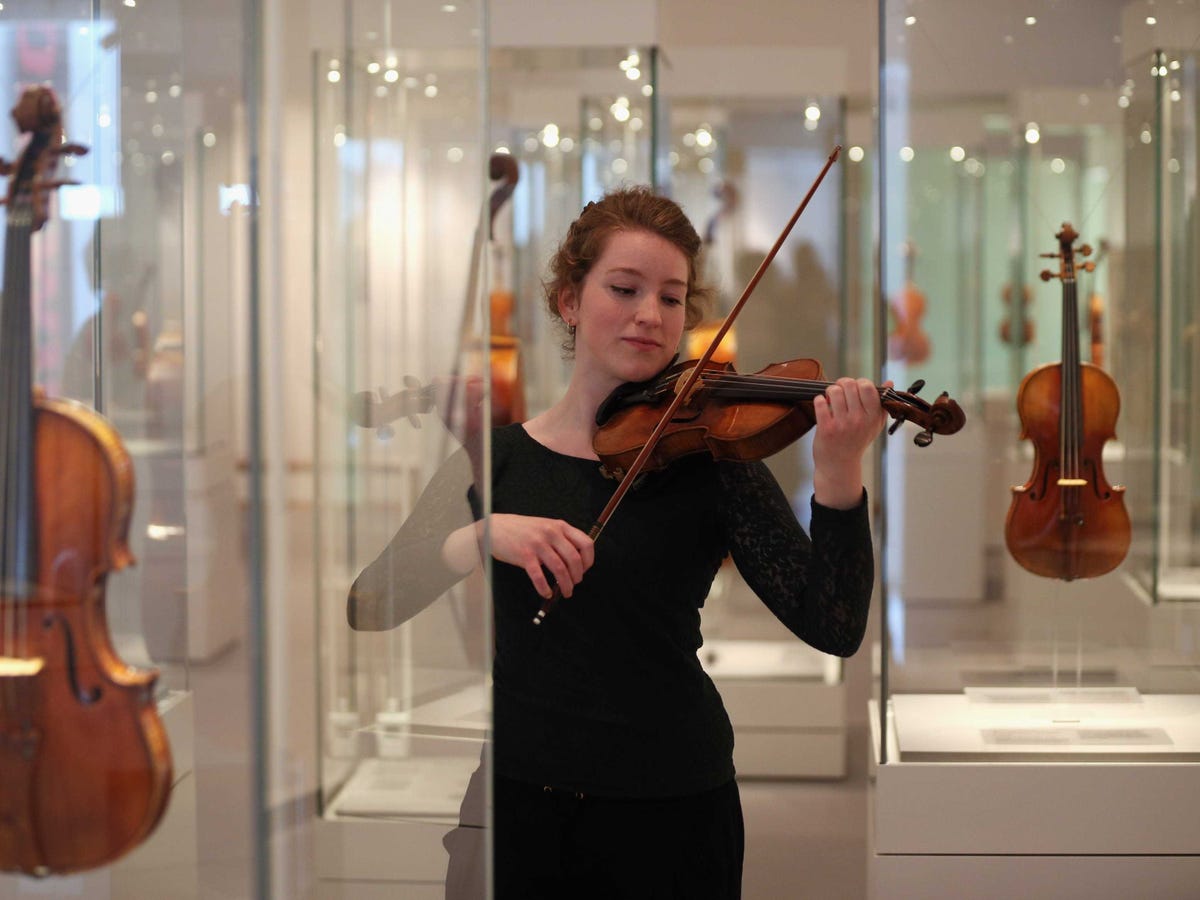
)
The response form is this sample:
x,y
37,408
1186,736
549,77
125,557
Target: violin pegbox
x,y
38,114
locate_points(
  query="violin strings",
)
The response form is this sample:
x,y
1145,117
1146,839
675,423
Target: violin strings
x,y
18,473
791,387
1069,401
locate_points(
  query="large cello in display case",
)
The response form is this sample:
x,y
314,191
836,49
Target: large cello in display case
x,y
85,767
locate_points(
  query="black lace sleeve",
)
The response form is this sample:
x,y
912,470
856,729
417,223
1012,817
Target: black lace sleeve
x,y
409,574
819,587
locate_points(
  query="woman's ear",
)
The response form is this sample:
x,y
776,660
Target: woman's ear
x,y
568,305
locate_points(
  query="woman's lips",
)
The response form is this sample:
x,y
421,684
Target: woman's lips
x,y
642,343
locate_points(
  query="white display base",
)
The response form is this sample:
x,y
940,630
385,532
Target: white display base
x,y
787,705
165,864
1076,805
382,834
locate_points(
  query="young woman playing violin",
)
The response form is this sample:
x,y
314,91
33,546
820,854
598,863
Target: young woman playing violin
x,y
613,753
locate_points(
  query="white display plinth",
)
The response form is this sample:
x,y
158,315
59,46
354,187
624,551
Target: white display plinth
x,y
381,835
787,705
1002,791
165,864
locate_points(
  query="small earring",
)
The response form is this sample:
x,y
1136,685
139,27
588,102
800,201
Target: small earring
x,y
571,329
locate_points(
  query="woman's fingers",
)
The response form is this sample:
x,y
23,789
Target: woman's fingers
x,y
549,550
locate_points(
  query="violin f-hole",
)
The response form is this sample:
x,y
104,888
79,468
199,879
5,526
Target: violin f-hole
x,y
87,698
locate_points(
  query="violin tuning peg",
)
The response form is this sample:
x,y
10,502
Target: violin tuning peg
x,y
916,386
923,438
1047,275
1085,250
1088,266
895,425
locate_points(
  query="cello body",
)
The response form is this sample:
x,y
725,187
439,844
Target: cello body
x,y
85,760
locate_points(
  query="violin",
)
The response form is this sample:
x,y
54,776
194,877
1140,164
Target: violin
x,y
739,417
1067,521
907,341
85,769
504,348
1096,316
1028,330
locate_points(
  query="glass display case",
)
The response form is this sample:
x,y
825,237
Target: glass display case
x,y
430,325
1014,657
578,121
739,168
402,233
129,304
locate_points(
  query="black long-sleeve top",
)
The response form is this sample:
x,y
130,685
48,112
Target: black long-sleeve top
x,y
607,696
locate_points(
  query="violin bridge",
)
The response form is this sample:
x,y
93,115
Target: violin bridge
x,y
1072,482
17,667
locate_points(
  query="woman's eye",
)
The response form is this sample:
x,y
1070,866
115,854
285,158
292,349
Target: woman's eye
x,y
673,301
622,290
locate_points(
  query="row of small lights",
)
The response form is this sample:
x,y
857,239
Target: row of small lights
x,y
910,21
390,76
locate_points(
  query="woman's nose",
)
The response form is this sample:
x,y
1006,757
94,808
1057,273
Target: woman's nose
x,y
648,312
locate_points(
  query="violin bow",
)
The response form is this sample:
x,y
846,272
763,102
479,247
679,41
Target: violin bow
x,y
682,393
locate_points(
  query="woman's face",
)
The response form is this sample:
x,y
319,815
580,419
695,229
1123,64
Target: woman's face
x,y
629,311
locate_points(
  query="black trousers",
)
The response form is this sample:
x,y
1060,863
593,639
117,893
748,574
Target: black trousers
x,y
556,844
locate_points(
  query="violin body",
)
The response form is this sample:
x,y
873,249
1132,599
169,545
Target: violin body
x,y
724,430
1058,530
504,362
907,340
85,767
1067,521
736,417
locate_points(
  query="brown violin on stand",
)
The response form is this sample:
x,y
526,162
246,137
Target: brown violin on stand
x,y
504,347
907,341
1028,329
1096,315
85,770
1067,521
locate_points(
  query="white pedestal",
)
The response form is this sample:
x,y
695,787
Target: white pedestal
x,y
382,835
1071,794
165,864
787,705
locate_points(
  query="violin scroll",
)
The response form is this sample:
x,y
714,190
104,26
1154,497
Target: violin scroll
x,y
943,416
38,114
371,409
